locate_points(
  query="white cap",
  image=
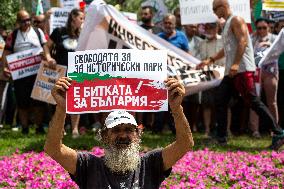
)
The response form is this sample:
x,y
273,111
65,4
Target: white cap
x,y
119,117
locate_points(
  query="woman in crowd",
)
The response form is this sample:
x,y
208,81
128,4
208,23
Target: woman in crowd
x,y
61,41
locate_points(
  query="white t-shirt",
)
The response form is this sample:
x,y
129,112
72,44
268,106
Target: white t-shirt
x,y
29,39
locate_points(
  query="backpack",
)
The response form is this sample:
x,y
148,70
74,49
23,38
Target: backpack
x,y
14,36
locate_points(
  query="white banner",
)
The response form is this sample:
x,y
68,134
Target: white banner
x,y
70,4
58,18
195,12
106,28
24,63
271,55
273,5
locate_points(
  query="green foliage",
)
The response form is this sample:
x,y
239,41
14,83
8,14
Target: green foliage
x,y
8,12
11,140
134,5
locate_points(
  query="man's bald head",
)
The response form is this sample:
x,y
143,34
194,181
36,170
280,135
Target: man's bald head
x,y
24,20
169,23
222,2
22,14
170,17
221,8
39,21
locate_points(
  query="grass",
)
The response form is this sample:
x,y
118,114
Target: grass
x,y
10,141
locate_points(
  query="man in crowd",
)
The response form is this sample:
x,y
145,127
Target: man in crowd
x,y
172,35
208,47
147,20
178,19
239,74
40,22
121,167
24,38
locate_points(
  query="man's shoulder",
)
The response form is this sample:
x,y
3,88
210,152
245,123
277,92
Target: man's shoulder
x,y
153,153
238,20
180,33
88,156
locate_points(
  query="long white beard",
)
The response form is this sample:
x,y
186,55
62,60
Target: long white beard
x,y
122,160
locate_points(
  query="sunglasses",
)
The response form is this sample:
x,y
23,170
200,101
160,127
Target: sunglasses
x,y
37,21
261,28
25,21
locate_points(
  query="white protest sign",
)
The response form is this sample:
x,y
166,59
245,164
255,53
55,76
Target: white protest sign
x,y
45,81
271,55
70,4
195,12
58,18
24,63
110,79
273,5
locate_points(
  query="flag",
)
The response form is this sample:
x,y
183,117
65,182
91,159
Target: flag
x,y
39,7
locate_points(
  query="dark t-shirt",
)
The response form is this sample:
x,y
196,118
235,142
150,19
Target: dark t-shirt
x,y
153,29
91,172
63,45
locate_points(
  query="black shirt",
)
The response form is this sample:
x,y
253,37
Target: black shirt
x,y
63,45
153,29
91,172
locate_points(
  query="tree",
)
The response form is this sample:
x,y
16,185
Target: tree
x,y
8,12
134,5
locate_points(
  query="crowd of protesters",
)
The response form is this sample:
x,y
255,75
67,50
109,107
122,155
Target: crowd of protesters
x,y
202,41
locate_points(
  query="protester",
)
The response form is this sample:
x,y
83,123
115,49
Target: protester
x,y
194,40
278,27
173,36
191,103
61,41
210,46
40,22
147,20
178,19
239,74
262,40
24,38
121,166
280,94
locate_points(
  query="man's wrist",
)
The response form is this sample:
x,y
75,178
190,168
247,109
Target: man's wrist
x,y
212,60
177,110
60,110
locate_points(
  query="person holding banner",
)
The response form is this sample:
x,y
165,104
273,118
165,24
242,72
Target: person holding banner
x,y
21,39
121,167
239,74
262,39
65,40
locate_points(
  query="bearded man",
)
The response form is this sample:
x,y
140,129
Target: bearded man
x,y
121,167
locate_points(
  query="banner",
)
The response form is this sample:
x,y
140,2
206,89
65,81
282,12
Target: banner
x,y
58,18
45,81
106,28
271,55
273,5
24,63
70,4
276,15
196,12
110,79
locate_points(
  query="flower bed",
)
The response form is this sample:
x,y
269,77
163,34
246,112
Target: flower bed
x,y
199,169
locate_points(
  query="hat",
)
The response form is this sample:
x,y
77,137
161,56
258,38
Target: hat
x,y
119,117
